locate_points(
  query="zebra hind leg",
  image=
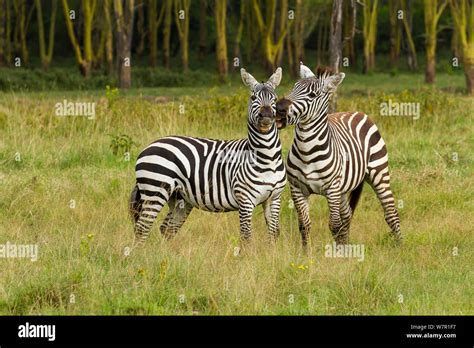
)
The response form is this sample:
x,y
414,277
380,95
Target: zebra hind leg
x,y
135,205
148,213
179,210
380,182
272,217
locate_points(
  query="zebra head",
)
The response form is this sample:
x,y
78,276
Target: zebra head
x,y
309,98
262,102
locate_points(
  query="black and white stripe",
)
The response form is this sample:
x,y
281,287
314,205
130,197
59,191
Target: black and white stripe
x,y
214,175
333,154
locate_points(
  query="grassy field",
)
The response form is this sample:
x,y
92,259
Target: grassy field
x,y
63,188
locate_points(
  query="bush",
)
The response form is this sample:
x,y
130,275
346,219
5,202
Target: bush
x,y
22,79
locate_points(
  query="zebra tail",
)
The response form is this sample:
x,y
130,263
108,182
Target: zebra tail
x,y
355,195
135,204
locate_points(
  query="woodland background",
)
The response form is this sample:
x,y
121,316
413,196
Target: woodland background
x,y
159,42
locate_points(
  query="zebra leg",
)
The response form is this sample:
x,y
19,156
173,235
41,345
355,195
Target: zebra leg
x,y
245,216
300,201
272,217
380,182
148,215
346,217
333,196
179,211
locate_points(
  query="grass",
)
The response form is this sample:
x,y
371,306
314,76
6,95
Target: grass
x,y
82,269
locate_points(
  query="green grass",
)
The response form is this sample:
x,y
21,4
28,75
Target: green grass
x,y
81,249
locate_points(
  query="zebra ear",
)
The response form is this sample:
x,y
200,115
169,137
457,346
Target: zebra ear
x,y
333,81
305,72
275,79
248,79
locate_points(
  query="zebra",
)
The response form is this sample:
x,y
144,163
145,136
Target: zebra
x,y
214,175
332,155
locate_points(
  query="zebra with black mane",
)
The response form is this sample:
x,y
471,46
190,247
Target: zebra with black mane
x,y
214,175
332,155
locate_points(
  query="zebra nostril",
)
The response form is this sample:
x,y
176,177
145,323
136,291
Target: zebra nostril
x,y
282,110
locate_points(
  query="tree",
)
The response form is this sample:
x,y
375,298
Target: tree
x,y
335,44
221,44
46,56
83,58
167,32
266,26
202,29
370,33
349,29
142,33
395,31
21,28
463,17
3,38
154,22
406,20
123,10
109,50
182,24
433,11
240,29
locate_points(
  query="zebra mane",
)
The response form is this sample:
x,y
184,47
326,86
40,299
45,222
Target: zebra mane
x,y
324,71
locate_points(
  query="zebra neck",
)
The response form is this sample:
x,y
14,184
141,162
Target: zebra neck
x,y
313,135
266,145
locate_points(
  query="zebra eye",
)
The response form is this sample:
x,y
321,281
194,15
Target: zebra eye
x,y
312,95
253,97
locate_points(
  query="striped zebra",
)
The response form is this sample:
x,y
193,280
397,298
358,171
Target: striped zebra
x,y
214,175
332,155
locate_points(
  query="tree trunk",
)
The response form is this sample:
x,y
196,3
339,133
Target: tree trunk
x,y
395,33
3,38
46,56
240,29
109,53
370,34
432,14
463,17
167,33
266,26
182,24
221,44
142,33
412,59
21,46
203,29
349,27
123,10
154,21
335,45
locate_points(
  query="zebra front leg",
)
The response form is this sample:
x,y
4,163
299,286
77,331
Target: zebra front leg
x,y
272,217
333,196
300,200
346,217
245,217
